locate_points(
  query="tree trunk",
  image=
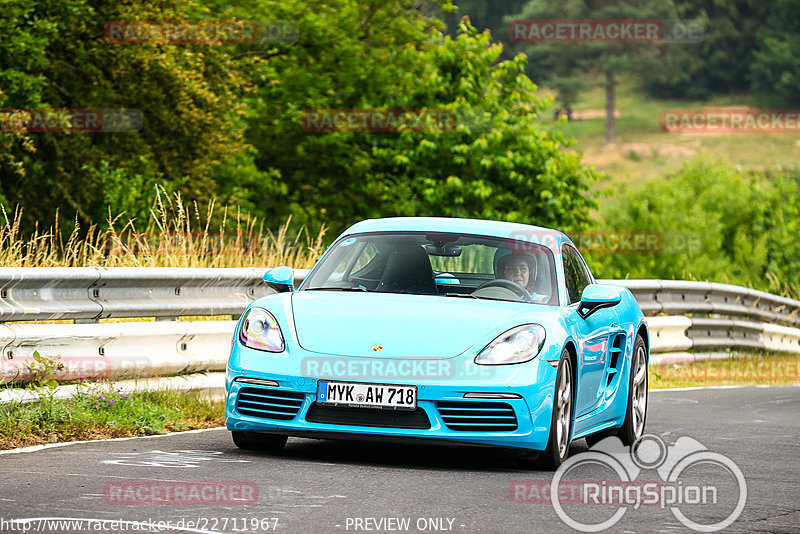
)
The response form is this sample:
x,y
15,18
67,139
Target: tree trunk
x,y
611,103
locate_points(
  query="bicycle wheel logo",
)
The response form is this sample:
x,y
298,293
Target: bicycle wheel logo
x,y
678,466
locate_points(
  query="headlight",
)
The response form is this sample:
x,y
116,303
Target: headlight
x,y
260,331
518,345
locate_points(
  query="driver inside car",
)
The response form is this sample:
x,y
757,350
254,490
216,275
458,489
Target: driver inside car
x,y
519,268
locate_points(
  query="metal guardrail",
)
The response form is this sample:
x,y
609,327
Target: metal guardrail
x,y
115,350
678,297
92,293
734,318
121,350
673,335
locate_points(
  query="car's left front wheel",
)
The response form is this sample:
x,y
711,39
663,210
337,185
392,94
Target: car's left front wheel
x,y
561,422
253,441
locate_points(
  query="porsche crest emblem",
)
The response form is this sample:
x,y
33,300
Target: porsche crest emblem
x,y
377,348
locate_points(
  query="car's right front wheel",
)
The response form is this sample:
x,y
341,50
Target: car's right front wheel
x,y
636,412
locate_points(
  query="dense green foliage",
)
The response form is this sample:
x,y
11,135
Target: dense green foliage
x,y
718,224
55,56
224,120
719,63
569,67
775,70
497,163
747,45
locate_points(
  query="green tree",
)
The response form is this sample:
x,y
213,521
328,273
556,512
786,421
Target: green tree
x,y
720,62
484,16
569,66
189,97
225,120
775,69
366,55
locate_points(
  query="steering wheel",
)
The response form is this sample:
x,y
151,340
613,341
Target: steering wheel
x,y
510,285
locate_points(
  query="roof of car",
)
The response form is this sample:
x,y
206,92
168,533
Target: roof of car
x,y
523,232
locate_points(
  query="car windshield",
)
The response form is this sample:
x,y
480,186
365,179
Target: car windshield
x,y
445,264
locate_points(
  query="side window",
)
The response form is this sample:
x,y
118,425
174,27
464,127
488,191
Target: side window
x,y
575,273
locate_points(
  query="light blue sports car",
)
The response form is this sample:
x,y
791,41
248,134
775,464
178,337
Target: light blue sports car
x,y
450,330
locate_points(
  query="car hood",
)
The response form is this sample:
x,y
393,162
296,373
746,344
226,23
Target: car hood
x,y
405,326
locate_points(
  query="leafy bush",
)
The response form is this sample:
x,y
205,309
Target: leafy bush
x,y
718,223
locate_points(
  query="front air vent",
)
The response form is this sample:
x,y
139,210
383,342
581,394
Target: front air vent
x,y
269,403
470,416
617,347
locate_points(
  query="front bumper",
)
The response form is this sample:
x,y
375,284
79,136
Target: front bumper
x,y
443,412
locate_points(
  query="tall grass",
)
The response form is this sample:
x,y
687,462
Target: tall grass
x,y
98,411
175,235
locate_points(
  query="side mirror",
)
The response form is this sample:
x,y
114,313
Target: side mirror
x,y
281,279
596,297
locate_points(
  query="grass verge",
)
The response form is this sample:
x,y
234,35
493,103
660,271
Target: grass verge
x,y
736,370
99,412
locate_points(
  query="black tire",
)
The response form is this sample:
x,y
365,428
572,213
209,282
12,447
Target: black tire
x,y
594,439
563,402
252,441
636,414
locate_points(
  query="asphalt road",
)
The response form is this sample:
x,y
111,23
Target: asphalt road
x,y
330,486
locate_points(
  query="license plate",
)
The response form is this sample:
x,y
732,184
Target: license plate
x,y
367,395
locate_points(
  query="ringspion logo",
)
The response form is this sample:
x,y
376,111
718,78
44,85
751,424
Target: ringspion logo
x,y
704,490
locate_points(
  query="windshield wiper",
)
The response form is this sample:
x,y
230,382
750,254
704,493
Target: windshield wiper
x,y
358,289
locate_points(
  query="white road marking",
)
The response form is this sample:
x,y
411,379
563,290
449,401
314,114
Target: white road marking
x,y
178,459
35,448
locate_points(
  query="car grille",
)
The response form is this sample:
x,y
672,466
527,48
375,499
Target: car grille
x,y
469,416
269,403
345,415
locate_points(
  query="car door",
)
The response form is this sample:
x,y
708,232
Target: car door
x,y
592,334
